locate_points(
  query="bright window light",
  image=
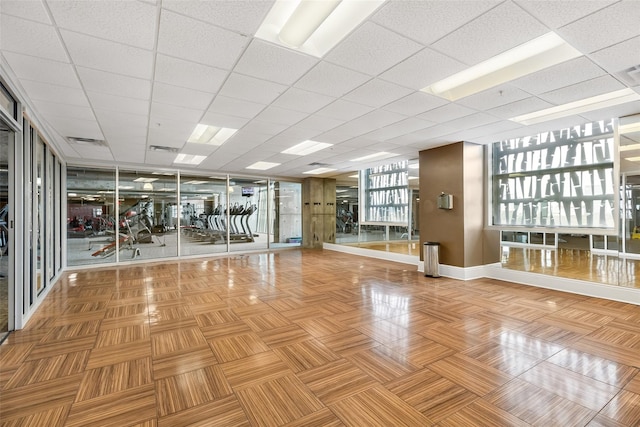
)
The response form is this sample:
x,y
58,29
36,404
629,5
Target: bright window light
x,y
413,177
306,147
263,166
314,31
211,135
630,147
354,176
318,171
189,159
535,55
577,107
380,155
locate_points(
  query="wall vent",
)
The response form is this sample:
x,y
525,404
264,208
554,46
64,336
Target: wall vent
x,y
631,75
87,141
318,164
163,149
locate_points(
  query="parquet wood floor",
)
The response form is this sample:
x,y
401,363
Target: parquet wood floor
x,y
317,338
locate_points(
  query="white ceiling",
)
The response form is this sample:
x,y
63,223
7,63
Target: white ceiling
x,y
142,73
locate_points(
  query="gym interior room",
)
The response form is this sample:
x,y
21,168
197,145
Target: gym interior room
x,y
319,213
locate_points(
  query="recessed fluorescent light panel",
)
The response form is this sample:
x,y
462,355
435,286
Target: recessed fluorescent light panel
x,y
376,156
633,159
535,55
318,171
189,159
142,179
630,147
211,135
577,107
313,26
263,166
306,147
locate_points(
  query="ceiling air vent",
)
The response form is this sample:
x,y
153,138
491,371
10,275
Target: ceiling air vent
x,y
318,164
163,149
631,75
87,141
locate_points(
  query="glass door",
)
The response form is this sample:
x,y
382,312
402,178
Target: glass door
x,y
6,283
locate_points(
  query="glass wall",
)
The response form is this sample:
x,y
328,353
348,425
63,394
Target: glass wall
x,y
286,205
248,214
7,136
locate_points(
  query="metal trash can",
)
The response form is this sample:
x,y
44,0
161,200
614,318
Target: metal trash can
x,y
431,259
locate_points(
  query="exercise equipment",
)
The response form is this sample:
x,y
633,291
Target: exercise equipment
x,y
212,227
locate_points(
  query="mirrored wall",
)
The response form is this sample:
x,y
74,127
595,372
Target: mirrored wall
x,y
159,215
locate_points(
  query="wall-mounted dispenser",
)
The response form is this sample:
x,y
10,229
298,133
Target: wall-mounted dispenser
x,y
445,201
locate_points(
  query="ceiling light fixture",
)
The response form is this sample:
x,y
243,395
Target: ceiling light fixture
x,y
263,166
142,179
189,159
314,26
375,156
633,159
629,128
211,135
534,55
630,147
318,171
306,147
577,107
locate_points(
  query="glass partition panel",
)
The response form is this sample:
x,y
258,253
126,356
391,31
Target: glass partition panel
x,y
346,213
248,214
91,222
7,137
286,214
146,205
39,215
202,214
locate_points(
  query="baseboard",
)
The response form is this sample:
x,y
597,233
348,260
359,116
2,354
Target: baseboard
x,y
371,253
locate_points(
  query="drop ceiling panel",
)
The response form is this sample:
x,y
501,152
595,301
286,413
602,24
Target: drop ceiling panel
x,y
302,100
172,138
54,93
128,22
118,103
344,110
194,40
159,158
71,111
114,84
472,121
332,80
520,107
108,56
372,49
124,155
402,127
178,72
558,76
265,128
319,123
94,153
502,28
620,56
427,21
42,70
626,109
422,69
556,14
274,63
30,38
32,10
280,116
180,96
235,107
376,93
223,120
415,103
73,127
494,97
446,113
116,134
582,90
251,89
604,28
111,119
243,16
161,120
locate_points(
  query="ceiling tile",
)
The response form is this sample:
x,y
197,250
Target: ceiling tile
x,y
446,113
344,110
114,84
582,90
558,13
174,112
422,69
236,15
127,155
128,22
319,123
500,29
472,121
428,21
73,111
54,93
42,70
108,56
274,63
566,73
520,107
494,97
160,136
622,110
94,153
178,72
302,100
194,40
400,128
32,10
235,107
118,103
110,118
416,103
67,126
376,93
372,49
619,57
223,120
263,128
331,80
159,158
251,89
604,28
281,116
180,96
30,38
